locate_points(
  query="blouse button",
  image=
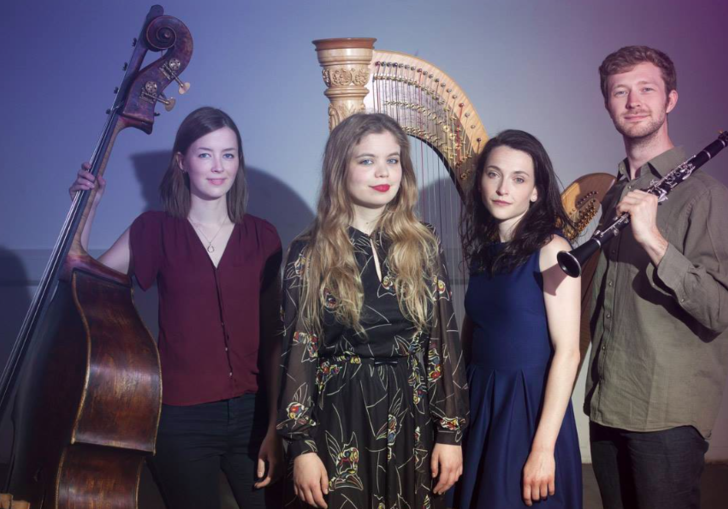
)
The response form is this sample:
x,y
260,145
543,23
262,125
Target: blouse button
x,y
231,374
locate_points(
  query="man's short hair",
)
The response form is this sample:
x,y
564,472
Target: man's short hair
x,y
625,59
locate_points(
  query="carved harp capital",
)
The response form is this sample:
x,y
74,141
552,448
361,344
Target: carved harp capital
x,y
346,71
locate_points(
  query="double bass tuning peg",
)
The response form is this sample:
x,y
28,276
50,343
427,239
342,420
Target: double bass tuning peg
x,y
170,69
150,92
183,87
168,103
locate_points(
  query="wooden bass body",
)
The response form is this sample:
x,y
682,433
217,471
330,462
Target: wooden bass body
x,y
87,411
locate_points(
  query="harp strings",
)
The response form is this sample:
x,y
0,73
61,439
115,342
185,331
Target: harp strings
x,y
431,115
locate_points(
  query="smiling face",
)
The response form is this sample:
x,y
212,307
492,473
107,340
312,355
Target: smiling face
x,y
212,163
508,186
638,102
374,172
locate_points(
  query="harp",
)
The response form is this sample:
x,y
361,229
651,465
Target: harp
x,y
445,130
447,136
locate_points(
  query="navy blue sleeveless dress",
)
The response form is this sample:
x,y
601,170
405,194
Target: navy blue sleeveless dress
x,y
511,353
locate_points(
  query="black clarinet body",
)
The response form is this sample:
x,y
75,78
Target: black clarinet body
x,y
572,261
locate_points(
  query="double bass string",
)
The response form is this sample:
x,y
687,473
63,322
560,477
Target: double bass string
x,y
58,254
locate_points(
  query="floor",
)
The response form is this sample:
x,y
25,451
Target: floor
x,y
714,490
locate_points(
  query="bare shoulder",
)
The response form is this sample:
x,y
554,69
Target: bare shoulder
x,y
553,247
547,256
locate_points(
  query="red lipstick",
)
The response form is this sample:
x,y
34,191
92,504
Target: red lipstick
x,y
381,188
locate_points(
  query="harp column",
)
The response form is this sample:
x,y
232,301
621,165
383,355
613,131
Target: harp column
x,y
346,66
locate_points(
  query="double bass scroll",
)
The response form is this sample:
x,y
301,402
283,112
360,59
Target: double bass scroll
x,y
84,372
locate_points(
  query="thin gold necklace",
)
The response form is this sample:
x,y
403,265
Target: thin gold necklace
x,y
210,248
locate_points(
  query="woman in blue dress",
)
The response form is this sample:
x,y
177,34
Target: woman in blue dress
x,y
520,336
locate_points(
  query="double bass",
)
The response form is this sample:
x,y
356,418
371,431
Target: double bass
x,y
83,382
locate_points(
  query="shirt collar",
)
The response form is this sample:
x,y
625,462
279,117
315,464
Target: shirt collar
x,y
377,236
662,164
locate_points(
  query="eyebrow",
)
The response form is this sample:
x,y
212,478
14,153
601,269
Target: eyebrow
x,y
373,155
210,150
517,172
640,82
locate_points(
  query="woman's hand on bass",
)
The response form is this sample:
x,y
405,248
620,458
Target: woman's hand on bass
x,y
85,181
310,481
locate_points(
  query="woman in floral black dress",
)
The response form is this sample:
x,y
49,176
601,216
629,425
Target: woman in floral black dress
x,y
374,397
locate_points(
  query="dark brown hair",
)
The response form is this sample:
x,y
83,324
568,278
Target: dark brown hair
x,y
175,186
624,59
479,229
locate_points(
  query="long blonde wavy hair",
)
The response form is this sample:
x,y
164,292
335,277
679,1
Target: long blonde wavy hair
x,y
331,267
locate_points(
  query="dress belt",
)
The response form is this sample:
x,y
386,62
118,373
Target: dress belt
x,y
377,361
388,361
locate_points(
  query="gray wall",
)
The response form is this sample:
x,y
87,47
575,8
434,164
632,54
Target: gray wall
x,y
528,64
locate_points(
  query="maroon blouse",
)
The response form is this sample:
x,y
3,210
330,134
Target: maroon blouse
x,y
209,318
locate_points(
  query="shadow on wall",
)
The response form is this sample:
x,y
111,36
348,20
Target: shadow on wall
x,y
15,296
149,168
275,201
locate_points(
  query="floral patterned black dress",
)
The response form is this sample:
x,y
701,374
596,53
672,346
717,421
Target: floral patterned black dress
x,y
372,407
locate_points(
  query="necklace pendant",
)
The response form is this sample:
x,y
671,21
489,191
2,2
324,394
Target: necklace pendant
x,y
210,248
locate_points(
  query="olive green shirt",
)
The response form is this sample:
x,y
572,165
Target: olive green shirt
x,y
659,355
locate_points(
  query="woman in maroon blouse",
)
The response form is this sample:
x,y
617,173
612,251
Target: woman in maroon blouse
x,y
217,273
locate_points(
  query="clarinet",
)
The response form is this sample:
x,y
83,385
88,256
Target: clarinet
x,y
572,261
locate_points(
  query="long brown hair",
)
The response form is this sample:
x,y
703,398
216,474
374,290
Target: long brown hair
x,y
175,186
331,267
479,229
